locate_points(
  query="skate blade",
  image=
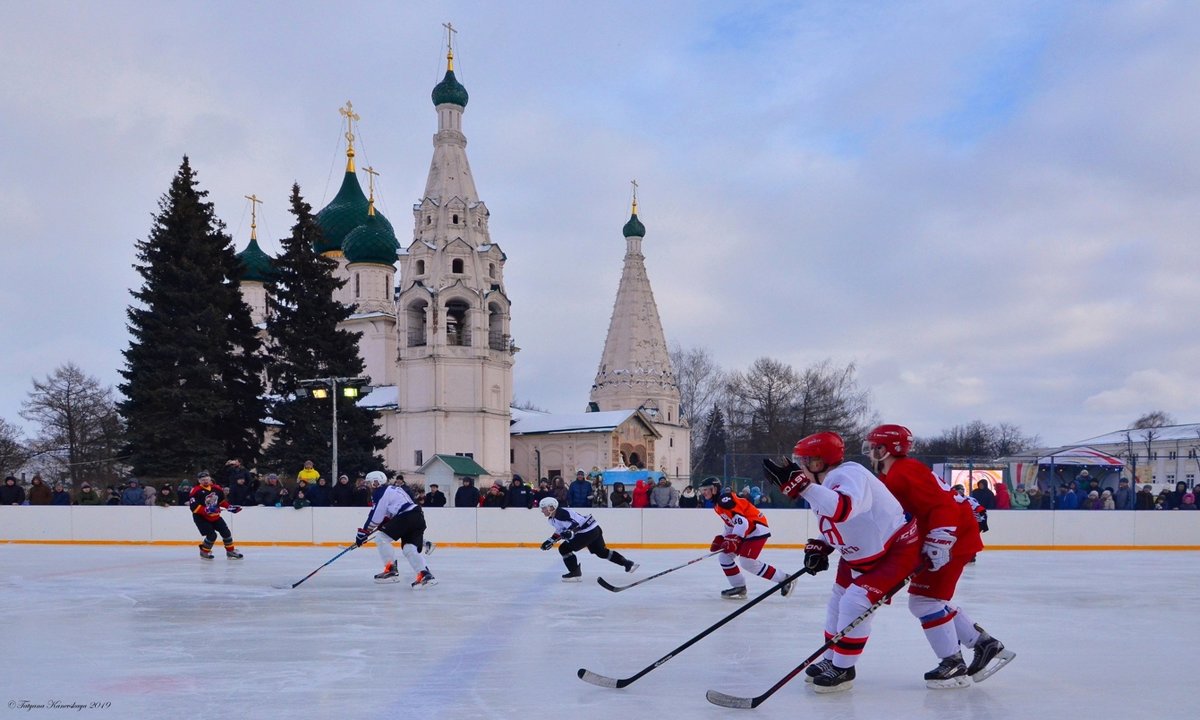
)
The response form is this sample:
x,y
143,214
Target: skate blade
x,y
387,581
633,568
739,598
422,586
1002,658
573,579
826,689
953,683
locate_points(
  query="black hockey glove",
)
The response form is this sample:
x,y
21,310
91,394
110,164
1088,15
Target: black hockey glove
x,y
779,474
549,543
567,535
361,536
816,556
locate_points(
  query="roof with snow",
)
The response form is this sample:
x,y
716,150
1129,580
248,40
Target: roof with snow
x,y
1165,433
533,423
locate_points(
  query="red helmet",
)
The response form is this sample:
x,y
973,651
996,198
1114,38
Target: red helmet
x,y
826,446
896,439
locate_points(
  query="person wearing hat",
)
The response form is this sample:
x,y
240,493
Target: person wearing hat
x,y
206,501
1020,498
435,497
1123,498
580,490
742,541
88,495
132,494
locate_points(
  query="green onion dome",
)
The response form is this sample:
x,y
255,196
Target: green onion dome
x,y
371,242
449,90
256,264
343,214
634,228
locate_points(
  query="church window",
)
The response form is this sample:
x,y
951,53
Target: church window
x,y
458,330
671,441
428,220
454,219
420,267
497,339
456,266
418,457
491,270
357,285
417,313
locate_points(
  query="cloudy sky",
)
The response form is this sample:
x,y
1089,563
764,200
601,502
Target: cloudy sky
x,y
991,208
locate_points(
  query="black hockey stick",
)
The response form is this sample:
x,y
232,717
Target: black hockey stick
x,y
733,701
615,588
604,681
314,572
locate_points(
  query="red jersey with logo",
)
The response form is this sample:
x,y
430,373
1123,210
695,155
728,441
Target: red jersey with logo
x,y
931,502
207,502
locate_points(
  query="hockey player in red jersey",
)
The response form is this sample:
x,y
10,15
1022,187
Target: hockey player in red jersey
x,y
858,517
950,537
745,534
207,500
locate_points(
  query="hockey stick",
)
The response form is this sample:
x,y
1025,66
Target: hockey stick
x,y
615,588
327,562
605,681
733,701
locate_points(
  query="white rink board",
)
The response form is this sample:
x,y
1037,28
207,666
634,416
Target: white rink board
x,y
158,633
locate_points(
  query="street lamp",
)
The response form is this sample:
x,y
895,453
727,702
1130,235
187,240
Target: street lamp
x,y
327,387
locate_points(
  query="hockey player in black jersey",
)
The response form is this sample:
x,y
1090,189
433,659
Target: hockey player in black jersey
x,y
577,531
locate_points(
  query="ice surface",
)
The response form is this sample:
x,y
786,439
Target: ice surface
x,y
158,633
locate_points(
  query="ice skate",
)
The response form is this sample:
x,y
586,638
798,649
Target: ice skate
x,y
987,650
233,555
734,593
812,671
389,575
951,672
573,576
424,579
788,587
630,566
205,553
429,547
834,679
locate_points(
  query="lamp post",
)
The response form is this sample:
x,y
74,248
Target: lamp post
x,y
320,388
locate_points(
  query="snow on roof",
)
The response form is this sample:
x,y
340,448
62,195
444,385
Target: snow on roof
x,y
382,396
527,423
1166,433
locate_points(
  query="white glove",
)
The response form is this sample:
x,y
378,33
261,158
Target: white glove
x,y
938,545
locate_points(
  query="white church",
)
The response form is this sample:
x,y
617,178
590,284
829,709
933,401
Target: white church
x,y
436,342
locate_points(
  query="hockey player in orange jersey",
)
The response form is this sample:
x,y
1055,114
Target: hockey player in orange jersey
x,y
742,541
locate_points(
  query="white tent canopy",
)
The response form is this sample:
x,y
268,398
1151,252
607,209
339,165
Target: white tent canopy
x,y
1080,456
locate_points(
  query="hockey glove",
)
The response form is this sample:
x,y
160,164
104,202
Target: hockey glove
x,y
939,544
816,556
235,509
361,536
717,542
729,544
567,535
548,543
791,481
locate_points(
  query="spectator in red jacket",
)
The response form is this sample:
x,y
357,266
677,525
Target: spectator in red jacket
x,y
641,494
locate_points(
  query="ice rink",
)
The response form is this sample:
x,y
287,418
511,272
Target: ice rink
x,y
154,632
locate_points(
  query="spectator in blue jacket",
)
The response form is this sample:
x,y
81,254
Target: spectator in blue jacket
x,y
133,495
580,491
1124,496
60,496
1067,499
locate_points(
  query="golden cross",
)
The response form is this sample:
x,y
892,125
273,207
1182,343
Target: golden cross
x,y
371,173
351,117
635,187
450,31
254,203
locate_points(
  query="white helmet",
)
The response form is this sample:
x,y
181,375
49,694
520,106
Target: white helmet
x,y
548,502
377,476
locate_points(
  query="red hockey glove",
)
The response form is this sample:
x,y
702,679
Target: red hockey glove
x,y
718,541
730,543
816,556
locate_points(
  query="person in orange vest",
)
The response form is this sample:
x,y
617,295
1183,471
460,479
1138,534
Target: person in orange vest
x,y
745,534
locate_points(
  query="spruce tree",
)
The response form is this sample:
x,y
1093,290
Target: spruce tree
x,y
306,343
193,388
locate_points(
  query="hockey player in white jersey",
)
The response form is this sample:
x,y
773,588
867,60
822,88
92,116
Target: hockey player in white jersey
x,y
577,531
397,517
858,517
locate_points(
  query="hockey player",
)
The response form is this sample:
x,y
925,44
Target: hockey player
x,y
207,500
950,537
577,531
746,533
858,517
397,517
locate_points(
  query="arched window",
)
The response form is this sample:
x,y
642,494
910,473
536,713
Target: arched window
x,y
491,270
458,330
497,338
357,285
417,313
456,266
420,267
454,219
428,220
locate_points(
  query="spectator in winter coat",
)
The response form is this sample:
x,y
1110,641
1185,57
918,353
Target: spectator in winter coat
x,y
301,500
318,493
165,497
114,496
580,491
1189,501
559,487
1003,499
183,493
1106,500
1123,497
308,473
599,493
234,471
1092,501
1066,499
467,495
619,498
60,496
269,494
641,494
495,498
519,494
984,496
362,493
11,493
39,492
1144,499
688,499
543,491
663,495
342,494
435,497
240,492
89,496
132,495
149,495
1020,499
1175,498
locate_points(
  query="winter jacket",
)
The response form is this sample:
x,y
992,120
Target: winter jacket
x,y
342,494
663,495
240,494
599,495
466,496
60,497
641,494
39,493
519,495
619,498
559,488
11,493
268,494
688,498
1067,501
579,493
436,498
1123,498
91,497
1020,500
318,493
495,499
133,496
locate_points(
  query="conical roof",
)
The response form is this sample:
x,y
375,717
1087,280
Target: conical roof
x,y
257,266
343,214
371,242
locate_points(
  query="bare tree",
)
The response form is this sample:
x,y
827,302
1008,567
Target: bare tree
x,y
701,384
761,402
13,453
1153,419
830,399
978,439
78,424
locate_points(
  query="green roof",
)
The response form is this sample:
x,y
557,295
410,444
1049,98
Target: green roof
x,y
256,264
634,228
460,464
449,90
343,214
371,242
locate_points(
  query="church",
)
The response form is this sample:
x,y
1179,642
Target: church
x,y
433,320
